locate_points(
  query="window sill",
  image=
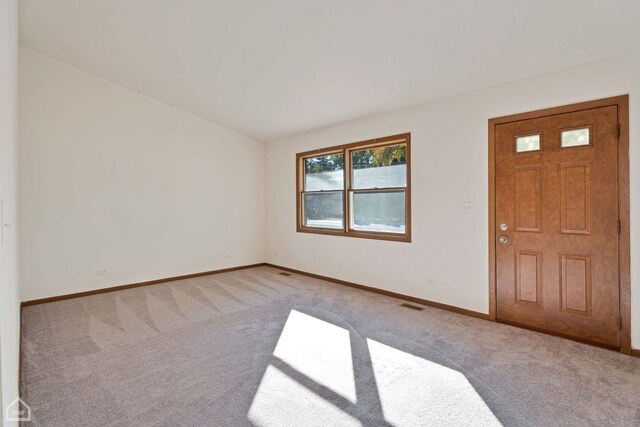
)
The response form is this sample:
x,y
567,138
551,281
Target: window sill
x,y
405,238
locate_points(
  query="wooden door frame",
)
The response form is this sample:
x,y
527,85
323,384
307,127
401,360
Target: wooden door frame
x,y
624,260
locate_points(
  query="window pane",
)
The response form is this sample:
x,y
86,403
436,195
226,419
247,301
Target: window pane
x,y
324,173
527,143
323,210
575,138
378,211
380,167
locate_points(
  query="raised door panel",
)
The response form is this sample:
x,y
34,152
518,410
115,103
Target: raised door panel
x,y
576,284
528,198
575,198
528,281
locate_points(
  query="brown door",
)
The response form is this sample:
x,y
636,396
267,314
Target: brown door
x,y
557,224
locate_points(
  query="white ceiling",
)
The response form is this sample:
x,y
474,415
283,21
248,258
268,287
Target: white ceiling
x,y
274,68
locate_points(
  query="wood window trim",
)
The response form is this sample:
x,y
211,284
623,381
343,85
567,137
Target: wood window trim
x,y
624,241
345,149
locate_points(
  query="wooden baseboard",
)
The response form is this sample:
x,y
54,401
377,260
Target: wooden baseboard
x,y
135,285
635,352
386,293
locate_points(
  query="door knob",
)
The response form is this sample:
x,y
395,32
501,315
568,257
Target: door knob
x,y
504,227
503,239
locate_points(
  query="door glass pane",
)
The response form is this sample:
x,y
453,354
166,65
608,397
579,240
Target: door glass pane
x,y
380,167
324,173
382,211
527,143
575,137
323,210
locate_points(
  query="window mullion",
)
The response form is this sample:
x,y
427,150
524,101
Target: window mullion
x,y
346,212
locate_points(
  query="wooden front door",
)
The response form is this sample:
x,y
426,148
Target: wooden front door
x,y
557,224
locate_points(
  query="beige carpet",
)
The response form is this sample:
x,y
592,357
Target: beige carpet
x,y
254,347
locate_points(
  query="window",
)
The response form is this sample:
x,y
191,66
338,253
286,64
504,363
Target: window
x,y
575,138
324,191
528,143
356,190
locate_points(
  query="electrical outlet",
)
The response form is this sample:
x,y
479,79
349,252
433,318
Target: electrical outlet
x,y
101,271
467,206
431,281
227,254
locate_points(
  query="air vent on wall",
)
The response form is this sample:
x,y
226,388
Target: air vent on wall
x,y
282,273
411,306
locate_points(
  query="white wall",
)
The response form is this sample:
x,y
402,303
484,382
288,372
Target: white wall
x,y
116,180
9,295
449,166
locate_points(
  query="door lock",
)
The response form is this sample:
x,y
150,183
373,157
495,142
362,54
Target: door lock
x,y
504,227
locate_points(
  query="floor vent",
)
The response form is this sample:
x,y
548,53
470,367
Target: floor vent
x,y
282,273
411,306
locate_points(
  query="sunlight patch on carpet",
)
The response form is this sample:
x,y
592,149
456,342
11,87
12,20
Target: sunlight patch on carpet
x,y
415,391
282,401
319,350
